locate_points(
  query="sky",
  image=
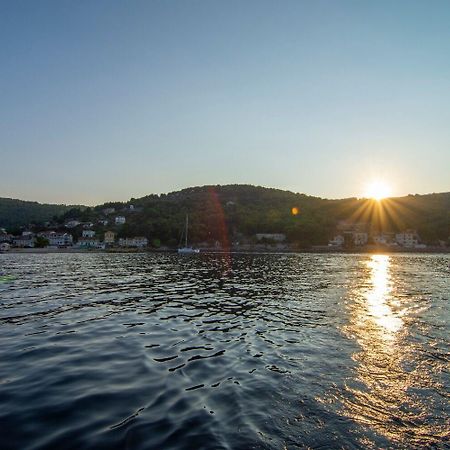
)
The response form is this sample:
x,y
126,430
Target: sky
x,y
108,100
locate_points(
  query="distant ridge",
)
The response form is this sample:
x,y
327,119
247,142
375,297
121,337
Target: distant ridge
x,y
16,213
219,212
196,188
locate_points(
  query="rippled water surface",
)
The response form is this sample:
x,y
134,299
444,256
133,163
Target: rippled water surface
x,y
143,351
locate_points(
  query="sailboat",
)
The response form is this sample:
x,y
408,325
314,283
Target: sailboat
x,y
186,249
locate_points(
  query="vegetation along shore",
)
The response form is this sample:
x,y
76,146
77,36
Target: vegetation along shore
x,y
232,218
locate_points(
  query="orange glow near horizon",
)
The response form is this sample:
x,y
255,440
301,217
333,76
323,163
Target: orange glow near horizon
x,y
382,215
377,190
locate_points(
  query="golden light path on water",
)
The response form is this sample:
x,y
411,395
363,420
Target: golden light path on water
x,y
381,393
378,296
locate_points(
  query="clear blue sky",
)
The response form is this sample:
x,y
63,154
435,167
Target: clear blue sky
x,y
107,100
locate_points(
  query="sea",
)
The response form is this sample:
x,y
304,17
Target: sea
x,y
224,351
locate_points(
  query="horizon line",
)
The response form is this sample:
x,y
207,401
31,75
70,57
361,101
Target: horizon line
x,y
215,185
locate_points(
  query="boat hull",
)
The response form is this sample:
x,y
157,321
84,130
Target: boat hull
x,y
188,250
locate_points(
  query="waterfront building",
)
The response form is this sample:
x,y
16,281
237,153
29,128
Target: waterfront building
x,y
110,237
88,233
57,239
384,238
360,238
408,238
24,241
119,220
61,240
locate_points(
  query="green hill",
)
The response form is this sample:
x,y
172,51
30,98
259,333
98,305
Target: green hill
x,y
16,213
237,212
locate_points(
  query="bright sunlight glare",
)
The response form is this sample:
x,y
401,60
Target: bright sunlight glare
x,y
378,190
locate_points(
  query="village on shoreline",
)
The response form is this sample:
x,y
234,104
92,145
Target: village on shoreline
x,y
369,250
350,238
108,234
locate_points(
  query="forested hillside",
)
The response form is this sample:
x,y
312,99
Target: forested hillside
x,y
15,213
237,212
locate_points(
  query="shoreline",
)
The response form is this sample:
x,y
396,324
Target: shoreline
x,y
368,251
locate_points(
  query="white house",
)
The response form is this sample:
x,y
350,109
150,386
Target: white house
x,y
138,241
61,240
24,241
408,238
57,239
120,220
88,233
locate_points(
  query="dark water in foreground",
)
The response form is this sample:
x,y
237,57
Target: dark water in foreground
x,y
149,351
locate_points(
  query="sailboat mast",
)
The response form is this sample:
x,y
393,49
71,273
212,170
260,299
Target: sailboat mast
x,y
187,224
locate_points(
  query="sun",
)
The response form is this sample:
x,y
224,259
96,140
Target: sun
x,y
377,190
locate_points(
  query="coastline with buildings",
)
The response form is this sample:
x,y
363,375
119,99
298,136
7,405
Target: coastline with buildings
x,y
348,241
232,218
77,236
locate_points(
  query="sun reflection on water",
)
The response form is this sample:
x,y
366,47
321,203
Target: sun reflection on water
x,y
379,394
379,294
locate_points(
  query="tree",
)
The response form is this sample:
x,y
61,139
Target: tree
x,y
41,242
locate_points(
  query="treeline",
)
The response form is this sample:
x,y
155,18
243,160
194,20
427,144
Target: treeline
x,y
235,213
16,213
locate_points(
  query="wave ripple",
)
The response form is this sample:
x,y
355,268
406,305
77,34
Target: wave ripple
x,y
143,351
